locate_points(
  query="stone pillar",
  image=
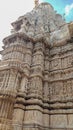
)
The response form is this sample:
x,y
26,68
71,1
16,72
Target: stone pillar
x,y
34,111
7,98
46,95
46,119
6,110
19,107
37,68
46,76
13,81
20,100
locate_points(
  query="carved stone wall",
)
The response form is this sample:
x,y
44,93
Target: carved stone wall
x,y
36,73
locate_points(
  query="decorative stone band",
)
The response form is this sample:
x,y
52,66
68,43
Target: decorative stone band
x,y
7,94
23,37
32,126
16,47
18,37
44,38
51,106
16,65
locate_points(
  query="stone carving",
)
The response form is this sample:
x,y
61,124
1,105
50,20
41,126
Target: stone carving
x,y
36,73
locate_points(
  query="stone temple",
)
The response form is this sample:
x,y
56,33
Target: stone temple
x,y
36,73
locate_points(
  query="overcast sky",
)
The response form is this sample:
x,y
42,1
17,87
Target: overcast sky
x,y
10,10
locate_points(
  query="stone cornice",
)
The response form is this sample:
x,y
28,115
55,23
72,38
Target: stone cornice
x,y
13,37
38,38
17,22
25,37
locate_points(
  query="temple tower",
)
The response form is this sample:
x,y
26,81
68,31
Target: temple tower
x,y
36,73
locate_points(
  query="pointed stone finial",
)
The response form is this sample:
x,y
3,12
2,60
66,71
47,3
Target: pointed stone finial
x,y
36,2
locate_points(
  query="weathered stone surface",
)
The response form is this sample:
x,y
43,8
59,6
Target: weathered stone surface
x,y
36,73
70,25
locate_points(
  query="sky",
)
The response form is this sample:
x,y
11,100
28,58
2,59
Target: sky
x,y
64,7
10,10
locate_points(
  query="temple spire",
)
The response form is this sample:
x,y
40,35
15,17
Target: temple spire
x,y
36,2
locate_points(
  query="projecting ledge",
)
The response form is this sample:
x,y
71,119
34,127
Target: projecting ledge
x,y
22,37
17,36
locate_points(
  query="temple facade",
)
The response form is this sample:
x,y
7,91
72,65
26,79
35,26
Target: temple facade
x,y
36,73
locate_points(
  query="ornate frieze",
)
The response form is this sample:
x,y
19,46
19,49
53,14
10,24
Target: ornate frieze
x,y
36,73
